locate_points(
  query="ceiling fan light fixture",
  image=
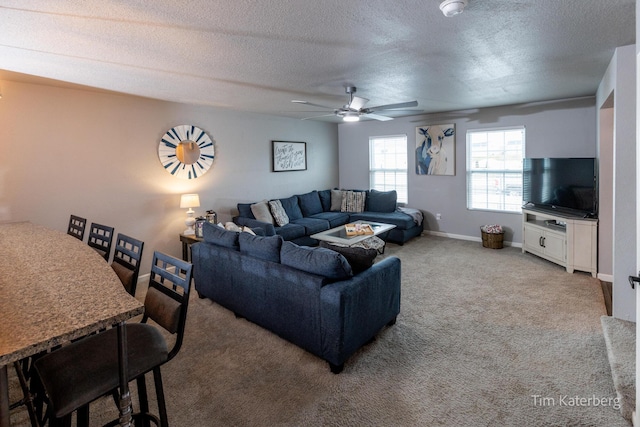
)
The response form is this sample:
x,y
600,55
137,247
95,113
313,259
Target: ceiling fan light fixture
x,y
451,8
351,117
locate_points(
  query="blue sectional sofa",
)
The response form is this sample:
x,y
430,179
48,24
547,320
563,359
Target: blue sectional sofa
x,y
308,296
318,211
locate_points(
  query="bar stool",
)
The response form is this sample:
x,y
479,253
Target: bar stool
x,y
100,237
126,261
76,227
78,373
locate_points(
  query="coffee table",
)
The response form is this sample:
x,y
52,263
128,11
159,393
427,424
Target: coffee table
x,y
339,236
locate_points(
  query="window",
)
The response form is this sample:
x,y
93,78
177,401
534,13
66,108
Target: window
x,y
388,164
494,169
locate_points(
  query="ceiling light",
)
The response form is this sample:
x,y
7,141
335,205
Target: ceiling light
x,y
452,7
351,117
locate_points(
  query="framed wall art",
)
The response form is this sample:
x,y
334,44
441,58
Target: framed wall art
x,y
289,156
435,150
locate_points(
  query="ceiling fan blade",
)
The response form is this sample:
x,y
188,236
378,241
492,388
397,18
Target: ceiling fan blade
x,y
295,101
315,117
378,117
394,106
357,103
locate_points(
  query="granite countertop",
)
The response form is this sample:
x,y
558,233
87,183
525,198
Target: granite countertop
x,y
54,288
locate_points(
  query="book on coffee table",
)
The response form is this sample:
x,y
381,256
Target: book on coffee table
x,y
358,229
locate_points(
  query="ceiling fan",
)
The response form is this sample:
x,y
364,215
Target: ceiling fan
x,y
352,111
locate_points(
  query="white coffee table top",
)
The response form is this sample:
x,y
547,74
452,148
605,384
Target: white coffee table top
x,y
339,235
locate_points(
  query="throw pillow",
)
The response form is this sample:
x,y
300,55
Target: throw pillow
x,y
359,259
310,203
244,210
353,201
261,211
246,229
382,201
263,247
291,207
279,215
321,261
325,200
232,226
217,235
336,200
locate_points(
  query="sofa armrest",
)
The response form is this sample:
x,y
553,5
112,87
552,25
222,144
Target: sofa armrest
x,y
268,229
354,310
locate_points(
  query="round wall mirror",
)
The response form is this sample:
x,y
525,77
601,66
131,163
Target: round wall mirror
x,y
186,151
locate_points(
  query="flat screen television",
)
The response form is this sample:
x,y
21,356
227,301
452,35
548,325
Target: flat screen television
x,y
568,185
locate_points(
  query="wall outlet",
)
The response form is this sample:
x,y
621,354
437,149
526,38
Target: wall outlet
x,y
438,216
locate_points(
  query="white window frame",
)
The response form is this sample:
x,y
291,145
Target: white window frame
x,y
393,172
502,185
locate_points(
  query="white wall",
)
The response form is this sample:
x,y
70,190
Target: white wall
x,y
620,80
605,190
95,154
553,129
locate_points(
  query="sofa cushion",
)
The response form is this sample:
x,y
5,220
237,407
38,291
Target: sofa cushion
x,y
353,201
335,218
310,203
291,207
261,211
312,225
382,201
336,200
244,210
325,199
358,258
263,247
277,211
291,231
217,235
399,219
321,261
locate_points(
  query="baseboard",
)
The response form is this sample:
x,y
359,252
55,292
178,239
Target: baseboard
x,y
605,277
469,238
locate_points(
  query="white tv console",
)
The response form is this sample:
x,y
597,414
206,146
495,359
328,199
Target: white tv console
x,y
568,240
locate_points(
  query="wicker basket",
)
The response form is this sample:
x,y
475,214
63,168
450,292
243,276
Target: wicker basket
x,y
492,240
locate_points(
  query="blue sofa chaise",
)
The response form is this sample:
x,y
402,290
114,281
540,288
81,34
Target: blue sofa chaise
x,y
317,211
306,295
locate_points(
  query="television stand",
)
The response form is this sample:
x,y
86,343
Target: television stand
x,y
568,240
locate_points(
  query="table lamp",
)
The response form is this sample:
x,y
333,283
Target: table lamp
x,y
189,201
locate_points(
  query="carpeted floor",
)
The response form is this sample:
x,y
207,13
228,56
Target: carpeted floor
x,y
485,337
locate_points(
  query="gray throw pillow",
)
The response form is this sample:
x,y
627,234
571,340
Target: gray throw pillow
x,y
261,211
336,200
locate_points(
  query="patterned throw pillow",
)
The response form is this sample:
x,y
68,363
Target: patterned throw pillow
x,y
279,215
353,201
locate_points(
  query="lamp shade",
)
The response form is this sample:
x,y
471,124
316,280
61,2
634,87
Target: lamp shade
x,y
189,201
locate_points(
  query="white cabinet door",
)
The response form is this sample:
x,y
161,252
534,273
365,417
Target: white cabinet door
x,y
533,240
554,245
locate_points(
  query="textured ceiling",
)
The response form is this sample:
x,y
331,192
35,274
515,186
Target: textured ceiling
x,y
257,56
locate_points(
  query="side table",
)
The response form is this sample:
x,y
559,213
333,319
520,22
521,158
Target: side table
x,y
187,241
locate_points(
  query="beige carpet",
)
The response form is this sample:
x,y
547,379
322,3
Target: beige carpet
x,y
485,337
620,338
